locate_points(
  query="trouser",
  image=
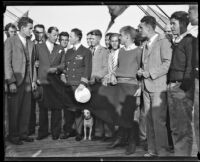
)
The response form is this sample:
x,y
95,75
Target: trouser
x,y
142,124
103,129
180,111
56,120
155,119
19,106
169,132
196,112
6,115
130,135
73,117
32,122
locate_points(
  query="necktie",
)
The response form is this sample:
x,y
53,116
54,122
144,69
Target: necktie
x,y
93,50
114,65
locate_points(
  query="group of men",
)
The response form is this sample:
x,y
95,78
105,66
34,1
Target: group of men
x,y
167,77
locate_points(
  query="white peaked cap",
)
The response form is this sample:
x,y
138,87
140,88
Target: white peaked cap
x,y
82,96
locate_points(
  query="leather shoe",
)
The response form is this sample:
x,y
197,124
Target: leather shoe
x,y
66,135
27,139
15,141
41,137
116,143
130,149
78,138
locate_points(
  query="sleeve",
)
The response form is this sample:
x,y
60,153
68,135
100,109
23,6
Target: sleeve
x,y
165,54
35,58
9,73
187,77
88,68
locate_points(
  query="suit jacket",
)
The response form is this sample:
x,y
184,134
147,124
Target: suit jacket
x,y
15,60
47,60
100,62
77,66
156,60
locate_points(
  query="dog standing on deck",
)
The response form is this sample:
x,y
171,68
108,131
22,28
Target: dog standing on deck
x,y
87,123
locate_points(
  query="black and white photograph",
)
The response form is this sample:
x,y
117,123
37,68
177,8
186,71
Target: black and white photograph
x,y
100,81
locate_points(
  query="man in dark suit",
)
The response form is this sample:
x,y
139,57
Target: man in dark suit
x,y
64,40
39,31
77,70
49,55
18,75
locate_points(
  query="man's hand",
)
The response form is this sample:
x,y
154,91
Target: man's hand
x,y
52,70
80,87
146,74
63,78
34,86
138,92
140,72
13,88
36,63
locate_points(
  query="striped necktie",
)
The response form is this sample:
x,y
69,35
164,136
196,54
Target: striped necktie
x,y
114,65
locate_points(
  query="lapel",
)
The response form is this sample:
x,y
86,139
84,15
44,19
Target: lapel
x,y
152,45
98,50
54,53
19,44
47,53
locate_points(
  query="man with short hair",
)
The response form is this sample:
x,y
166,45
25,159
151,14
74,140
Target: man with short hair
x,y
89,40
49,55
193,18
39,31
76,67
155,64
18,75
99,70
10,30
64,40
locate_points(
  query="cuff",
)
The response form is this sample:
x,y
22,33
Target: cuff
x,y
84,81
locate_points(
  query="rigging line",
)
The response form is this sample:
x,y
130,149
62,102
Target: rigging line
x,y
156,14
12,14
150,15
18,9
10,17
162,11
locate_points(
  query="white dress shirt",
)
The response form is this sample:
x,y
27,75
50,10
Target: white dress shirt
x,y
76,46
113,56
23,40
49,46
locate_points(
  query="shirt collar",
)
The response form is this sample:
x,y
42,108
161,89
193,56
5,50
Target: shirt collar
x,y
65,49
22,39
130,47
152,39
77,45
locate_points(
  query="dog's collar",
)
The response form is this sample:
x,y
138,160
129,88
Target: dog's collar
x,y
89,118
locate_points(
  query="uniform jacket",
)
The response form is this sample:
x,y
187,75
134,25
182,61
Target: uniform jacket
x,y
77,66
15,60
47,60
100,62
156,60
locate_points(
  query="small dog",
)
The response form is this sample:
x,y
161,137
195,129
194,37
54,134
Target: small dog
x,y
87,123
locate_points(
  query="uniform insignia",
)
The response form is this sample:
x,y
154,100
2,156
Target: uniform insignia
x,y
79,57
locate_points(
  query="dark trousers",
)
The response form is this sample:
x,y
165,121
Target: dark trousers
x,y
19,106
32,122
73,117
180,111
169,132
56,120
